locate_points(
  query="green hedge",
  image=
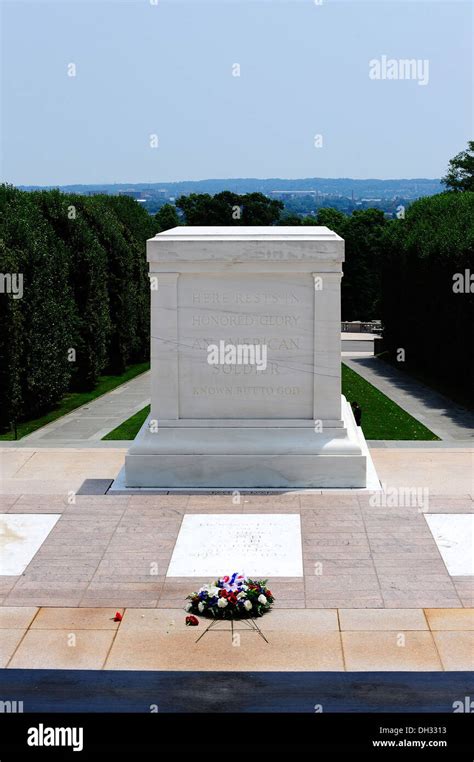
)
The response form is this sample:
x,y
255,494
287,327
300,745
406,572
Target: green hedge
x,y
421,312
85,288
84,309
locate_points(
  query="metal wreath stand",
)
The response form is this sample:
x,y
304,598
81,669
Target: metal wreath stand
x,y
249,621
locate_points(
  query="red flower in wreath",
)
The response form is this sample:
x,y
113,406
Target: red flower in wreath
x,y
223,594
192,620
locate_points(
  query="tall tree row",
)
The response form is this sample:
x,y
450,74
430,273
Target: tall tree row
x,y
83,307
428,291
363,232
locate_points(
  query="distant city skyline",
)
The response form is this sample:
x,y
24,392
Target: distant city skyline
x,y
175,90
301,196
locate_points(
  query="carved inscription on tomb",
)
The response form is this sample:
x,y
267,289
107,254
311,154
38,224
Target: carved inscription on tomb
x,y
275,311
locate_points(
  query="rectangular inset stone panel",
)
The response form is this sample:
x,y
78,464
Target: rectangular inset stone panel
x,y
21,536
259,545
272,311
454,535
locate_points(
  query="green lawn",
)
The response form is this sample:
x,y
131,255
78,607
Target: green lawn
x,y
76,399
129,428
381,418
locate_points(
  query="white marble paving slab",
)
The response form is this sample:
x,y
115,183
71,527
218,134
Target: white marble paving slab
x,y
260,545
21,536
454,536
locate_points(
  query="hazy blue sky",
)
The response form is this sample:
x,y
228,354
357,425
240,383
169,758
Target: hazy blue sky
x,y
166,69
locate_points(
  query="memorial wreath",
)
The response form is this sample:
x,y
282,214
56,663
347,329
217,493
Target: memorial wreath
x,y
232,597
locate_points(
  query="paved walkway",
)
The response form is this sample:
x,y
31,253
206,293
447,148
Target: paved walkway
x,y
351,640
441,415
97,418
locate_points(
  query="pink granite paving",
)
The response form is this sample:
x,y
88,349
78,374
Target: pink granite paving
x,y
115,550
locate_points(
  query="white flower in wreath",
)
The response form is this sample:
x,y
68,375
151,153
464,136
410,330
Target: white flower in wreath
x,y
240,595
248,605
213,591
261,599
188,607
222,603
201,606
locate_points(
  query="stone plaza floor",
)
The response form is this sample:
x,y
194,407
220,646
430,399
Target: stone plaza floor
x,y
115,551
375,592
353,640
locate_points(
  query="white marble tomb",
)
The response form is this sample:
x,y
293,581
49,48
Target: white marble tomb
x,y
237,426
